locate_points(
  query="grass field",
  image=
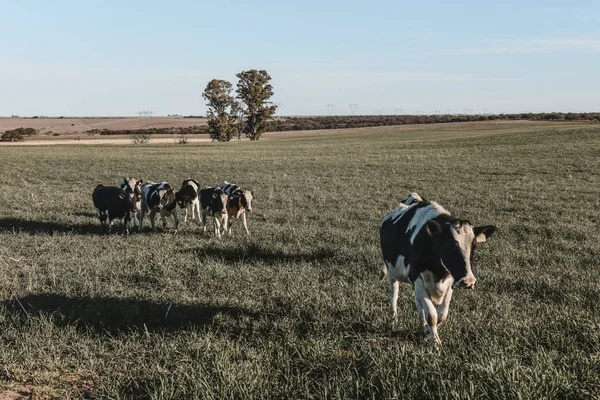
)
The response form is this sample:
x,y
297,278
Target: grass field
x,y
296,310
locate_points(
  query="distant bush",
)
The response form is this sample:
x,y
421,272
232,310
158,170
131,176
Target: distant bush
x,y
11,136
183,140
189,130
362,121
282,124
140,138
18,134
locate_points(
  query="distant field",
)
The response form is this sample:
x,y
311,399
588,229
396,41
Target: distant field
x,y
296,310
73,126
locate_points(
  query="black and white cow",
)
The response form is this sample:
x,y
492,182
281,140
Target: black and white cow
x,y
134,188
112,202
425,246
213,202
238,202
158,197
187,197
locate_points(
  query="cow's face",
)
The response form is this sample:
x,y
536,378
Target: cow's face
x,y
247,200
167,197
222,202
137,191
455,244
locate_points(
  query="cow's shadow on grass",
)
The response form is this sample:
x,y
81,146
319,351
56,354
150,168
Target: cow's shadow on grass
x,y
254,253
108,315
50,227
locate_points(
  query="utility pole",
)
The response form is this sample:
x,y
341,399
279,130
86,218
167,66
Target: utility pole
x,y
330,108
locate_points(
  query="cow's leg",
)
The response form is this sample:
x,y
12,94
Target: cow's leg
x,y
197,205
152,217
442,309
229,223
225,221
428,309
217,221
110,221
102,216
176,218
142,215
186,213
163,217
245,223
393,294
203,223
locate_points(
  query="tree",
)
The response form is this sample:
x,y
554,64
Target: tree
x,y
254,90
221,110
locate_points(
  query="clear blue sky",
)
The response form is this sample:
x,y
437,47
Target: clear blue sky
x,y
116,57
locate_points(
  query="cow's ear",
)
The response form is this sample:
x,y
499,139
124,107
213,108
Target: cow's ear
x,y
483,232
433,228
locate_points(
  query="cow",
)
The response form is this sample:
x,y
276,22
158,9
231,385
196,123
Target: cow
x,y
423,245
158,197
213,202
112,202
238,202
134,188
187,197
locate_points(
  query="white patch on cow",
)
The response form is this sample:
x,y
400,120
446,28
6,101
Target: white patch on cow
x,y
422,215
413,198
398,271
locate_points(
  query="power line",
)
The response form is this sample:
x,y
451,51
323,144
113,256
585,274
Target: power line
x,y
330,108
352,108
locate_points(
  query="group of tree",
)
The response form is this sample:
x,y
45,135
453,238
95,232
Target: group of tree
x,y
248,112
17,134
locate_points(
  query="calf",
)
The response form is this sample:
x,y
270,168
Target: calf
x,y
213,202
423,245
188,196
112,202
238,202
134,188
158,197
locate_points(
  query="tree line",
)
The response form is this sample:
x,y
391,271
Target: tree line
x,y
249,112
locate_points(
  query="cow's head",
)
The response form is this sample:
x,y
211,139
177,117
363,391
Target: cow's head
x,y
220,200
412,199
166,196
180,198
246,199
454,244
133,188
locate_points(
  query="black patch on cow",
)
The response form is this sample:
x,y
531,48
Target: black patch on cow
x,y
210,198
187,194
229,188
112,202
394,239
153,199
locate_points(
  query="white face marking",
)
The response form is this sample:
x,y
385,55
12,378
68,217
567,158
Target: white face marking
x,y
248,196
464,236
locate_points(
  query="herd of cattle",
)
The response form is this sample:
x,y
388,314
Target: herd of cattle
x,y
133,199
422,244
